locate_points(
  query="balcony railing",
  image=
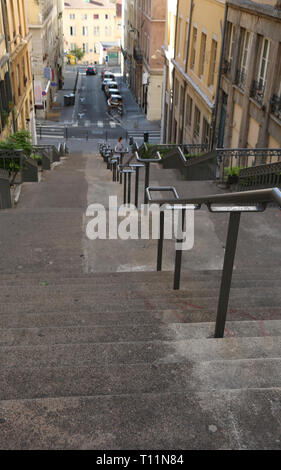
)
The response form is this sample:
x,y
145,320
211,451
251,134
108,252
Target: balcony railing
x,y
257,91
275,106
240,79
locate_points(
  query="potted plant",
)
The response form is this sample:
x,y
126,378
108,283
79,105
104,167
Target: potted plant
x,y
232,174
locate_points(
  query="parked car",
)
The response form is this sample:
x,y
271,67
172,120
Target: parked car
x,y
107,74
112,91
110,85
91,70
105,81
115,100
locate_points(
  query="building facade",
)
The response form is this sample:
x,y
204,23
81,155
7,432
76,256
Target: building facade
x,y
17,105
94,27
45,24
168,52
249,113
144,33
198,42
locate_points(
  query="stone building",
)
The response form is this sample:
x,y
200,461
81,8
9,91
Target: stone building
x,y
199,37
45,24
249,113
168,52
94,27
17,108
144,25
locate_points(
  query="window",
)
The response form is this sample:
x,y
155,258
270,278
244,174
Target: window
x,y
72,16
72,31
85,30
107,17
213,63
84,16
231,44
202,54
263,63
193,50
85,47
108,30
72,46
189,104
206,132
96,17
96,30
197,119
179,37
245,52
176,92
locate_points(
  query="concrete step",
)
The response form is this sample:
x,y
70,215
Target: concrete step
x,y
92,303
129,333
219,419
73,277
112,317
90,354
30,383
44,289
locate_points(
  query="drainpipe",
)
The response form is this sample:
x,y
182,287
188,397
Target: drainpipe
x,y
213,140
5,24
173,94
186,62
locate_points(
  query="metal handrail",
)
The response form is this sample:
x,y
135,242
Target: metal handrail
x,y
235,204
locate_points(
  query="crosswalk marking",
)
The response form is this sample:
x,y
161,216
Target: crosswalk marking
x,y
100,124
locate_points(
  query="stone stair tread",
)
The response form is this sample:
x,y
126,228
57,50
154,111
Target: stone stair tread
x,y
219,419
105,317
140,352
127,333
37,382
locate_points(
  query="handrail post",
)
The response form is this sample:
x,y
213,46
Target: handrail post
x,y
129,188
160,241
230,250
177,272
146,181
125,188
137,187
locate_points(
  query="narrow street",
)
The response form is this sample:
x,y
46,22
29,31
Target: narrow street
x,y
89,116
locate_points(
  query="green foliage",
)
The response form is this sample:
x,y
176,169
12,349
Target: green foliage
x,y
189,155
234,171
20,140
78,53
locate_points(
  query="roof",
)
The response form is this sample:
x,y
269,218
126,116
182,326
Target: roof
x,y
92,4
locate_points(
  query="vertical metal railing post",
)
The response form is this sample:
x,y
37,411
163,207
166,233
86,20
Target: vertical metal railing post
x,y
129,188
125,188
230,250
146,181
137,187
160,241
121,163
177,272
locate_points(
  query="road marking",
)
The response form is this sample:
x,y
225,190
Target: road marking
x,y
112,124
100,123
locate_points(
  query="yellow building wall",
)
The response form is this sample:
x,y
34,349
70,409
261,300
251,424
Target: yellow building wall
x,y
207,18
90,23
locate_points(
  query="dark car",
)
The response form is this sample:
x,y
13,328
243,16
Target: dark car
x,y
110,86
91,70
104,82
115,101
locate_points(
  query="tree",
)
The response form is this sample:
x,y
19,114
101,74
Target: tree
x,y
78,53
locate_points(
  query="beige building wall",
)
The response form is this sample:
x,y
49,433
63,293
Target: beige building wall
x,y
18,45
199,37
45,24
89,26
251,76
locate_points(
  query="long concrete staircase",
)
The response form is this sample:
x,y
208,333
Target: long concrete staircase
x,y
118,360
